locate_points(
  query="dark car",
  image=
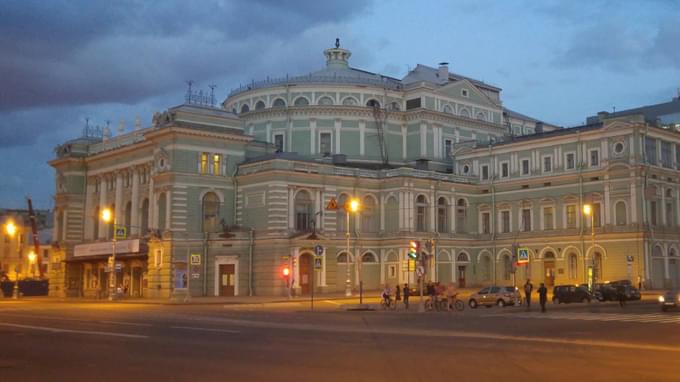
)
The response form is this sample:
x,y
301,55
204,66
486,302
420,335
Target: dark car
x,y
570,293
610,291
604,292
669,300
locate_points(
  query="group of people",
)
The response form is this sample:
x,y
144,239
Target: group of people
x,y
436,293
542,294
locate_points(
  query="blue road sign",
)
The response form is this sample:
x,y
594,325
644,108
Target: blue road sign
x,y
318,250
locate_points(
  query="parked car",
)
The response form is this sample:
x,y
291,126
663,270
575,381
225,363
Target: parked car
x,y
669,300
495,295
570,293
609,291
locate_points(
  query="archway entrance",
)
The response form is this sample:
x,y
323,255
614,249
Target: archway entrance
x,y
549,269
461,276
306,269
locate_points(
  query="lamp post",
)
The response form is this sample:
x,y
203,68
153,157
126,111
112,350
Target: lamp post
x,y
108,216
352,205
588,211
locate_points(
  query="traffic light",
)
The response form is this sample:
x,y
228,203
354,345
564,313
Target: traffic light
x,y
413,249
285,275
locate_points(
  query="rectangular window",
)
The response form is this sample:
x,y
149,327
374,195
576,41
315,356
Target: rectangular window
x,y
505,170
650,150
548,214
571,216
594,158
278,142
571,161
448,145
486,221
669,214
677,157
525,167
597,215
217,164
412,103
526,219
325,144
547,164
652,212
505,221
666,160
203,168
485,172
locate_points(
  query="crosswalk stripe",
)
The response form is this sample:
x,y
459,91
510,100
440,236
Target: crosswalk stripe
x,y
607,317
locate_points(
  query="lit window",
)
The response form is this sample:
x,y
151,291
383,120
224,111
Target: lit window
x,y
217,159
204,163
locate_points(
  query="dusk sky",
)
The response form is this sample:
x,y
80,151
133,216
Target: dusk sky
x,y
62,62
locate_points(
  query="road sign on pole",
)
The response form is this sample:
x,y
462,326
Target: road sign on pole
x,y
332,205
317,263
522,255
420,271
120,232
318,250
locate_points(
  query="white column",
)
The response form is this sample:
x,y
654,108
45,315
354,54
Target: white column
x,y
433,211
338,124
296,267
103,188
409,210
423,140
362,135
382,212
312,137
404,136
291,208
168,209
633,203
402,208
607,205
452,213
677,208
90,218
663,206
151,218
269,132
134,204
323,267
118,199
317,208
381,261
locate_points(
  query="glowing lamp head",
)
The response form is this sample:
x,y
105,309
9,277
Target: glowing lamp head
x,y
285,272
587,209
31,257
11,228
107,215
354,205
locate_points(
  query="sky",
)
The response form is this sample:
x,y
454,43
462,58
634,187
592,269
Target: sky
x,y
62,62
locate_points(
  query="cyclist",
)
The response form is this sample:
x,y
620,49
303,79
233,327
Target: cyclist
x,y
451,293
386,296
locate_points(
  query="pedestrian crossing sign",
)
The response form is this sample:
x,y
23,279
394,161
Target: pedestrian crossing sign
x,y
120,232
332,205
522,255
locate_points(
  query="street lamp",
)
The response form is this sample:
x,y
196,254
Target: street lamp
x,y
352,205
588,211
11,230
108,216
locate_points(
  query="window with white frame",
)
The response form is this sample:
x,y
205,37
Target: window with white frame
x,y
505,169
216,164
548,215
525,166
486,222
505,221
571,215
666,160
279,142
650,150
547,163
325,143
594,158
448,145
570,161
485,172
526,219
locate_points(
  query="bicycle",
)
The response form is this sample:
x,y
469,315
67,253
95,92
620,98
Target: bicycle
x,y
388,304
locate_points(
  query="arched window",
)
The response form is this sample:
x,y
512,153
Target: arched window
x,y
464,113
421,213
507,267
301,101
392,215
325,100
279,103
461,215
96,224
447,109
160,207
597,266
573,266
369,220
349,101
342,258
245,108
621,213
368,257
128,216
259,105
373,103
211,212
462,257
442,215
144,225
303,211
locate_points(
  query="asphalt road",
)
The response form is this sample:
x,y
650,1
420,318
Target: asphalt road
x,y
94,342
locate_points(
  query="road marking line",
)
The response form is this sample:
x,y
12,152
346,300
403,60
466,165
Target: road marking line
x,y
59,330
332,302
206,329
124,323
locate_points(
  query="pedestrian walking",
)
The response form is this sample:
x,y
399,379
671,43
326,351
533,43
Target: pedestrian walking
x,y
451,293
407,293
542,296
397,296
621,295
528,287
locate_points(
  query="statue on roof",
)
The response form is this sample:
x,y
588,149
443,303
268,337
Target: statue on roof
x,y
337,42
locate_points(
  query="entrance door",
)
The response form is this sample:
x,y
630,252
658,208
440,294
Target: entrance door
x,y
306,270
461,276
227,279
549,272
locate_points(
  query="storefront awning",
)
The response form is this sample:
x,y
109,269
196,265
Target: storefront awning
x,y
97,258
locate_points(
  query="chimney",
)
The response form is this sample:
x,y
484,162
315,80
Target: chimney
x,y
422,164
443,73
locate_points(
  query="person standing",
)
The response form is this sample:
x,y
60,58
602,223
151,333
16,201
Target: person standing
x,y
407,293
621,295
542,296
528,288
451,294
397,296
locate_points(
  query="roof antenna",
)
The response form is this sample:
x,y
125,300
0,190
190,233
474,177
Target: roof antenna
x,y
212,94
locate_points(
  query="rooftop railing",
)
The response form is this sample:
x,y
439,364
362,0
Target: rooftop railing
x,y
309,78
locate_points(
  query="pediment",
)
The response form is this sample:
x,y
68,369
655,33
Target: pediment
x,y
454,90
